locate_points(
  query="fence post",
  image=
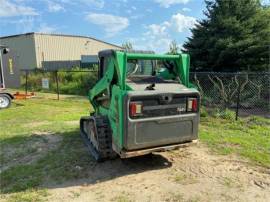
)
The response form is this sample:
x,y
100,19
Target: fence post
x,y
238,100
57,84
26,82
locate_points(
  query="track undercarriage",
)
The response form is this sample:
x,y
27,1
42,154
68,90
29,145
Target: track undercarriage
x,y
97,136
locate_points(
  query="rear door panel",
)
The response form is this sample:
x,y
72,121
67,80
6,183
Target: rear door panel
x,y
164,126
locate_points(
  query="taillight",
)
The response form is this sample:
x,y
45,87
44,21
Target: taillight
x,y
192,105
135,108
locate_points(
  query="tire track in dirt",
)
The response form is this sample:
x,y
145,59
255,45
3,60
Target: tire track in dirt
x,y
188,174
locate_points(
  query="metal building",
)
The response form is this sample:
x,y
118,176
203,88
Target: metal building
x,y
37,50
52,51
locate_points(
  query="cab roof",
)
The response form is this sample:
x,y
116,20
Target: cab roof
x,y
137,54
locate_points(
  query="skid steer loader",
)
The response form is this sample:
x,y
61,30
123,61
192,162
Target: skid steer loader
x,y
143,103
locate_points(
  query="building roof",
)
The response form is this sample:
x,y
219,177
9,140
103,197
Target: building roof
x,y
64,35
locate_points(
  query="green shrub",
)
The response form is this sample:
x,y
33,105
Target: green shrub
x,y
259,121
224,114
203,112
77,83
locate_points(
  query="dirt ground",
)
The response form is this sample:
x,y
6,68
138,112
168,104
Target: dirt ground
x,y
37,148
188,174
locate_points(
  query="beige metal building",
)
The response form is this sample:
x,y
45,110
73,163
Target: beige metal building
x,y
47,51
52,51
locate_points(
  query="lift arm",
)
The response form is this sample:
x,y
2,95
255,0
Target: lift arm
x,y
101,86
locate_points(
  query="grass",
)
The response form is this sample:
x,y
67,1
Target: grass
x,y
34,124
24,117
29,196
228,182
122,198
19,127
184,179
174,197
248,137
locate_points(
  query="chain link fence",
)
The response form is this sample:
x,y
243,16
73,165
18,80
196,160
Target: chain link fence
x,y
243,94
73,82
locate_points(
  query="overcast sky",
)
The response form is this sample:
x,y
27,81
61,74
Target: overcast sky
x,y
147,24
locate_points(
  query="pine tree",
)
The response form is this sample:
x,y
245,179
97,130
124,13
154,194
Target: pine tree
x,y
235,36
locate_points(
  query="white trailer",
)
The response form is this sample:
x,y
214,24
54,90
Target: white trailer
x,y
5,96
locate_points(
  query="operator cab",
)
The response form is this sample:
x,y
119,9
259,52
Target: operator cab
x,y
148,74
141,72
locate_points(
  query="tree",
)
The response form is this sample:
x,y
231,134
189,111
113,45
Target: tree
x,y
235,36
174,48
127,46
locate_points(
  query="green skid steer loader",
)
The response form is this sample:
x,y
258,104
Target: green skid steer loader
x,y
143,103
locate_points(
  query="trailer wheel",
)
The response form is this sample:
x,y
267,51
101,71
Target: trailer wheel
x,y
5,101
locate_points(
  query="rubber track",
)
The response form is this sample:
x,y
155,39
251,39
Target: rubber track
x,y
104,138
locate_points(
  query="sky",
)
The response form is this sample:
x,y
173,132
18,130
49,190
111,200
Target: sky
x,y
147,24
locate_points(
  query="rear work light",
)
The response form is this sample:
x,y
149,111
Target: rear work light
x,y
135,108
192,105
